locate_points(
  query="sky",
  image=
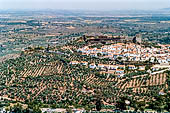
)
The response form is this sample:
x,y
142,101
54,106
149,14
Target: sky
x,y
85,4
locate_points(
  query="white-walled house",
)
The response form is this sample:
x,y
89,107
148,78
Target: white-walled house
x,y
92,66
131,67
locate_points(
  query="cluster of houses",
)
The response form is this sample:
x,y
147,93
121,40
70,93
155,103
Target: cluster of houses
x,y
107,68
130,52
60,110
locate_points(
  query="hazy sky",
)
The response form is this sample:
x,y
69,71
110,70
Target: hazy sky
x,y
85,4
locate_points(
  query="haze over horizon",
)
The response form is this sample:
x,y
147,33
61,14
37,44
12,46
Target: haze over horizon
x,y
85,4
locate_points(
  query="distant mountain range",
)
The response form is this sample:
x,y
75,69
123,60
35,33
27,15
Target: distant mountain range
x,y
165,9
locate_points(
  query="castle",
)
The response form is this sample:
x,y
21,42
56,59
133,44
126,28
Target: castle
x,y
110,39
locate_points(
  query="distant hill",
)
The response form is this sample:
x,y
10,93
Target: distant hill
x,y
166,9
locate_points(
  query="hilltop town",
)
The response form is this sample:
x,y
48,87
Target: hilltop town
x,y
81,74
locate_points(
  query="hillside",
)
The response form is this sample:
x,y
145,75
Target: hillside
x,y
49,78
